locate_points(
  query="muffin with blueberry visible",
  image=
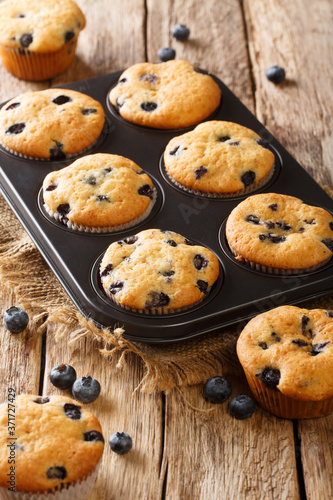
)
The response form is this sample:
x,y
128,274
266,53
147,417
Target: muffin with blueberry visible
x,y
287,357
157,272
38,38
218,159
167,95
57,445
99,193
280,234
53,124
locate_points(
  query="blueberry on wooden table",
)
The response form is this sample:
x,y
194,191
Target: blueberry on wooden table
x,y
180,32
63,376
86,389
275,74
166,54
120,442
16,319
217,390
242,407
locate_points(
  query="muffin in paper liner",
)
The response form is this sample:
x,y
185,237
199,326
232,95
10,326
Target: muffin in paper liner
x,y
280,234
219,159
157,272
78,490
50,125
278,404
33,48
287,357
35,67
99,193
56,446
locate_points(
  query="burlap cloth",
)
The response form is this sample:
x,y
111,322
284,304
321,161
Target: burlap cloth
x,y
26,277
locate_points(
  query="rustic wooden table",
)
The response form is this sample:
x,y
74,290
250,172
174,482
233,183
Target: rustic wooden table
x,y
180,453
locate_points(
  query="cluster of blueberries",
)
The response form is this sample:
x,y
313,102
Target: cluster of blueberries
x,y
63,376
217,390
180,32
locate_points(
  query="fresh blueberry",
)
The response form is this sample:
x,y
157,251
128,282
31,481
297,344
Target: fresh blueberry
x,y
166,54
86,389
63,376
217,390
242,407
16,319
180,32
275,74
120,442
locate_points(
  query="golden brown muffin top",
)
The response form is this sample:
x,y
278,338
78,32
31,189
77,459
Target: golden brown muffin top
x,y
280,231
56,441
290,349
39,25
166,95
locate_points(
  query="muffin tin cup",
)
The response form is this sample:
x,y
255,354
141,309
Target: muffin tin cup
x,y
98,230
240,291
273,401
241,192
275,270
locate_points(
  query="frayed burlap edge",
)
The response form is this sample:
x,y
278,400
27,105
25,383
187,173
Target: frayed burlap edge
x,y
25,275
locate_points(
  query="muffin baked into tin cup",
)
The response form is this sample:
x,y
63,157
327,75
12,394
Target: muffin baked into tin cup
x,y
169,95
53,124
286,355
99,193
279,234
218,159
157,272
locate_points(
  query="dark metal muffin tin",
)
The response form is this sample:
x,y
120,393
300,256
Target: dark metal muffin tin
x,y
239,293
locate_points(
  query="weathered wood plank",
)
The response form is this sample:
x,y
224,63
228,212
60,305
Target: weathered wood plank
x,y
216,42
216,456
135,475
298,112
20,357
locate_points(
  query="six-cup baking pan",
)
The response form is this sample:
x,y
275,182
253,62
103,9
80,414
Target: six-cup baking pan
x,y
239,293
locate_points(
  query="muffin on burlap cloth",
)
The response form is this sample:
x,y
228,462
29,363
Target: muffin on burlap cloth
x,y
287,357
38,37
57,445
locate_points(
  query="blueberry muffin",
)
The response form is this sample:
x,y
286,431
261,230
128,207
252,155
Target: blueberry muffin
x,y
56,444
218,158
280,234
99,193
157,272
38,37
168,95
287,357
52,124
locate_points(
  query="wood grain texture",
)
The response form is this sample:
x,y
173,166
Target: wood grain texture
x,y
217,39
21,357
135,475
298,112
230,459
